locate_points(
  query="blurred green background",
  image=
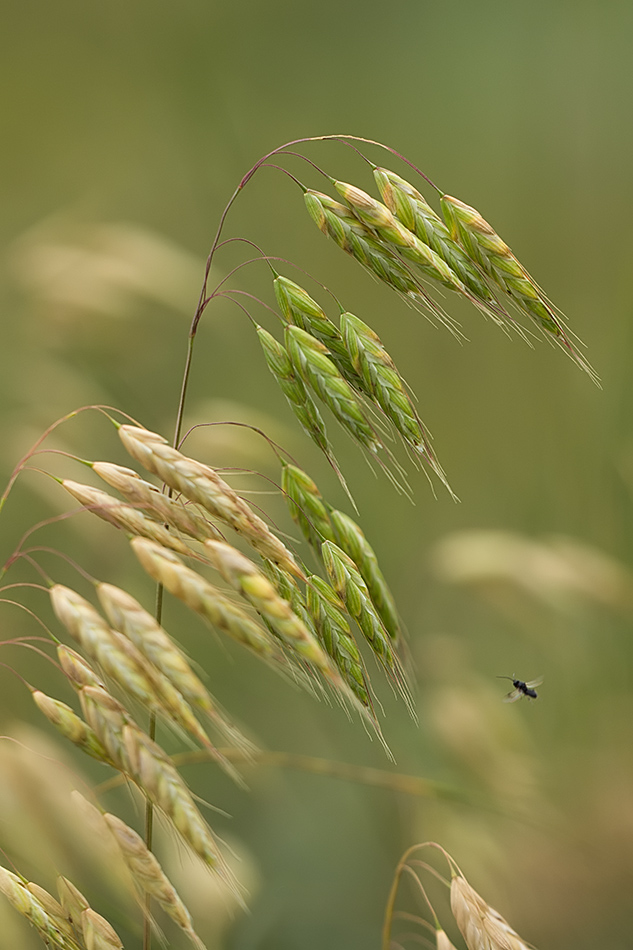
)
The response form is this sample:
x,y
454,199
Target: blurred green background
x,y
125,128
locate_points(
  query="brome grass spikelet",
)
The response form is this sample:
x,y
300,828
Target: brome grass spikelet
x,y
306,506
412,209
27,904
311,361
496,259
201,484
149,876
353,542
125,516
130,618
71,726
202,597
387,388
184,518
481,926
238,571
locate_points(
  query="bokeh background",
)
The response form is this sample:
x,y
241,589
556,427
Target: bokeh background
x,y
125,128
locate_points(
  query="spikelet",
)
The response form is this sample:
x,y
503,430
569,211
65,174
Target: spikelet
x,y
52,931
298,397
339,223
310,360
328,611
482,927
149,876
442,942
126,665
238,571
107,716
201,484
72,901
71,726
496,259
306,506
413,211
353,542
76,669
125,517
155,775
53,909
346,580
98,934
376,215
387,388
130,618
184,518
300,309
199,595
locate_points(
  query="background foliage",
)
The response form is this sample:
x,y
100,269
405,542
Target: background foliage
x,y
126,128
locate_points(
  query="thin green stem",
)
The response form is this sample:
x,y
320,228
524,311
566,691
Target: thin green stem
x,y
149,808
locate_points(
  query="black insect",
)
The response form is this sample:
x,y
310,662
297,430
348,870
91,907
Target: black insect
x,y
521,689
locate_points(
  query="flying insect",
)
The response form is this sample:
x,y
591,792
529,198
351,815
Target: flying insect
x,y
521,689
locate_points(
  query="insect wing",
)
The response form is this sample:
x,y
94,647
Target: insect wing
x,y
534,683
513,696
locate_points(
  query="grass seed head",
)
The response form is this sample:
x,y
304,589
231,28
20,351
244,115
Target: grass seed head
x,y
306,505
124,516
107,716
158,779
495,258
310,360
202,597
148,874
328,611
98,934
302,311
412,209
130,618
72,900
71,726
238,571
481,926
201,484
376,215
353,542
76,669
293,388
184,518
51,929
356,239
